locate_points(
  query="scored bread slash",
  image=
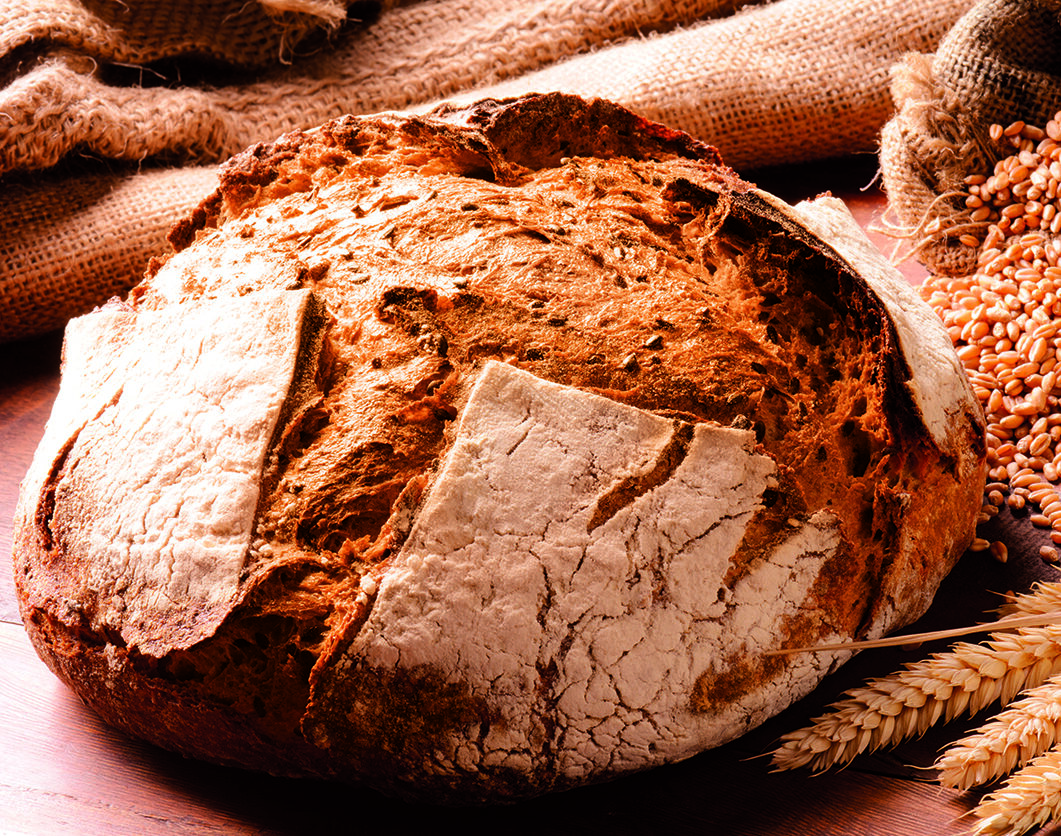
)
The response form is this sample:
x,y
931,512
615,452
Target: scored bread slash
x,y
583,431
937,380
641,608
165,439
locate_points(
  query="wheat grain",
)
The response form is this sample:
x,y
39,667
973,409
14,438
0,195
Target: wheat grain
x,y
1004,317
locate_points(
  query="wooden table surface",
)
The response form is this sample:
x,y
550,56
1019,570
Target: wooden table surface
x,y
64,772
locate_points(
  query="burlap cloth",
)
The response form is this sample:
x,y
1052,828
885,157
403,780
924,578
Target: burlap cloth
x,y
113,114
1001,62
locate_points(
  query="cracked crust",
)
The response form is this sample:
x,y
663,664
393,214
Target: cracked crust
x,y
547,428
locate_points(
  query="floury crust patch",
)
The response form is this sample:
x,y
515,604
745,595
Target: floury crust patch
x,y
508,571
176,432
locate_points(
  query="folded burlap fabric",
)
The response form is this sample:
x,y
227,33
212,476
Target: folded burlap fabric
x,y
999,63
232,31
767,82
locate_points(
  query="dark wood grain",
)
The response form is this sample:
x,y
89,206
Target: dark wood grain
x,y
63,772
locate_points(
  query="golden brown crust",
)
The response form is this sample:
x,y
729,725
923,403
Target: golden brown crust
x,y
586,246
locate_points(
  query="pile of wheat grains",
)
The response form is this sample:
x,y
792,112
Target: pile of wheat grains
x,y
1005,322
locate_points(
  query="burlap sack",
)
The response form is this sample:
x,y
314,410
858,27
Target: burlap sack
x,y
767,82
236,32
408,56
70,242
999,63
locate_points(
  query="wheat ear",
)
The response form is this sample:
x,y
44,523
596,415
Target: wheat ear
x,y
1030,798
1028,728
966,678
1044,597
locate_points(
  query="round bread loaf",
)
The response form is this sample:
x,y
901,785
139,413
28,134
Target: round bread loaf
x,y
490,452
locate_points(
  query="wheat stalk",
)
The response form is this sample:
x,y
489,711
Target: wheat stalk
x,y
1028,728
1030,798
966,678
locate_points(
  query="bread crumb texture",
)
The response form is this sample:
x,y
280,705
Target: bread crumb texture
x,y
490,452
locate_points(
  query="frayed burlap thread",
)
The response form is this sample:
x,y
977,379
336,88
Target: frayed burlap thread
x,y
927,150
999,63
767,82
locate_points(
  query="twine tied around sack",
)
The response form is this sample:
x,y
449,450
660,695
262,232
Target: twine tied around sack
x,y
1001,62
